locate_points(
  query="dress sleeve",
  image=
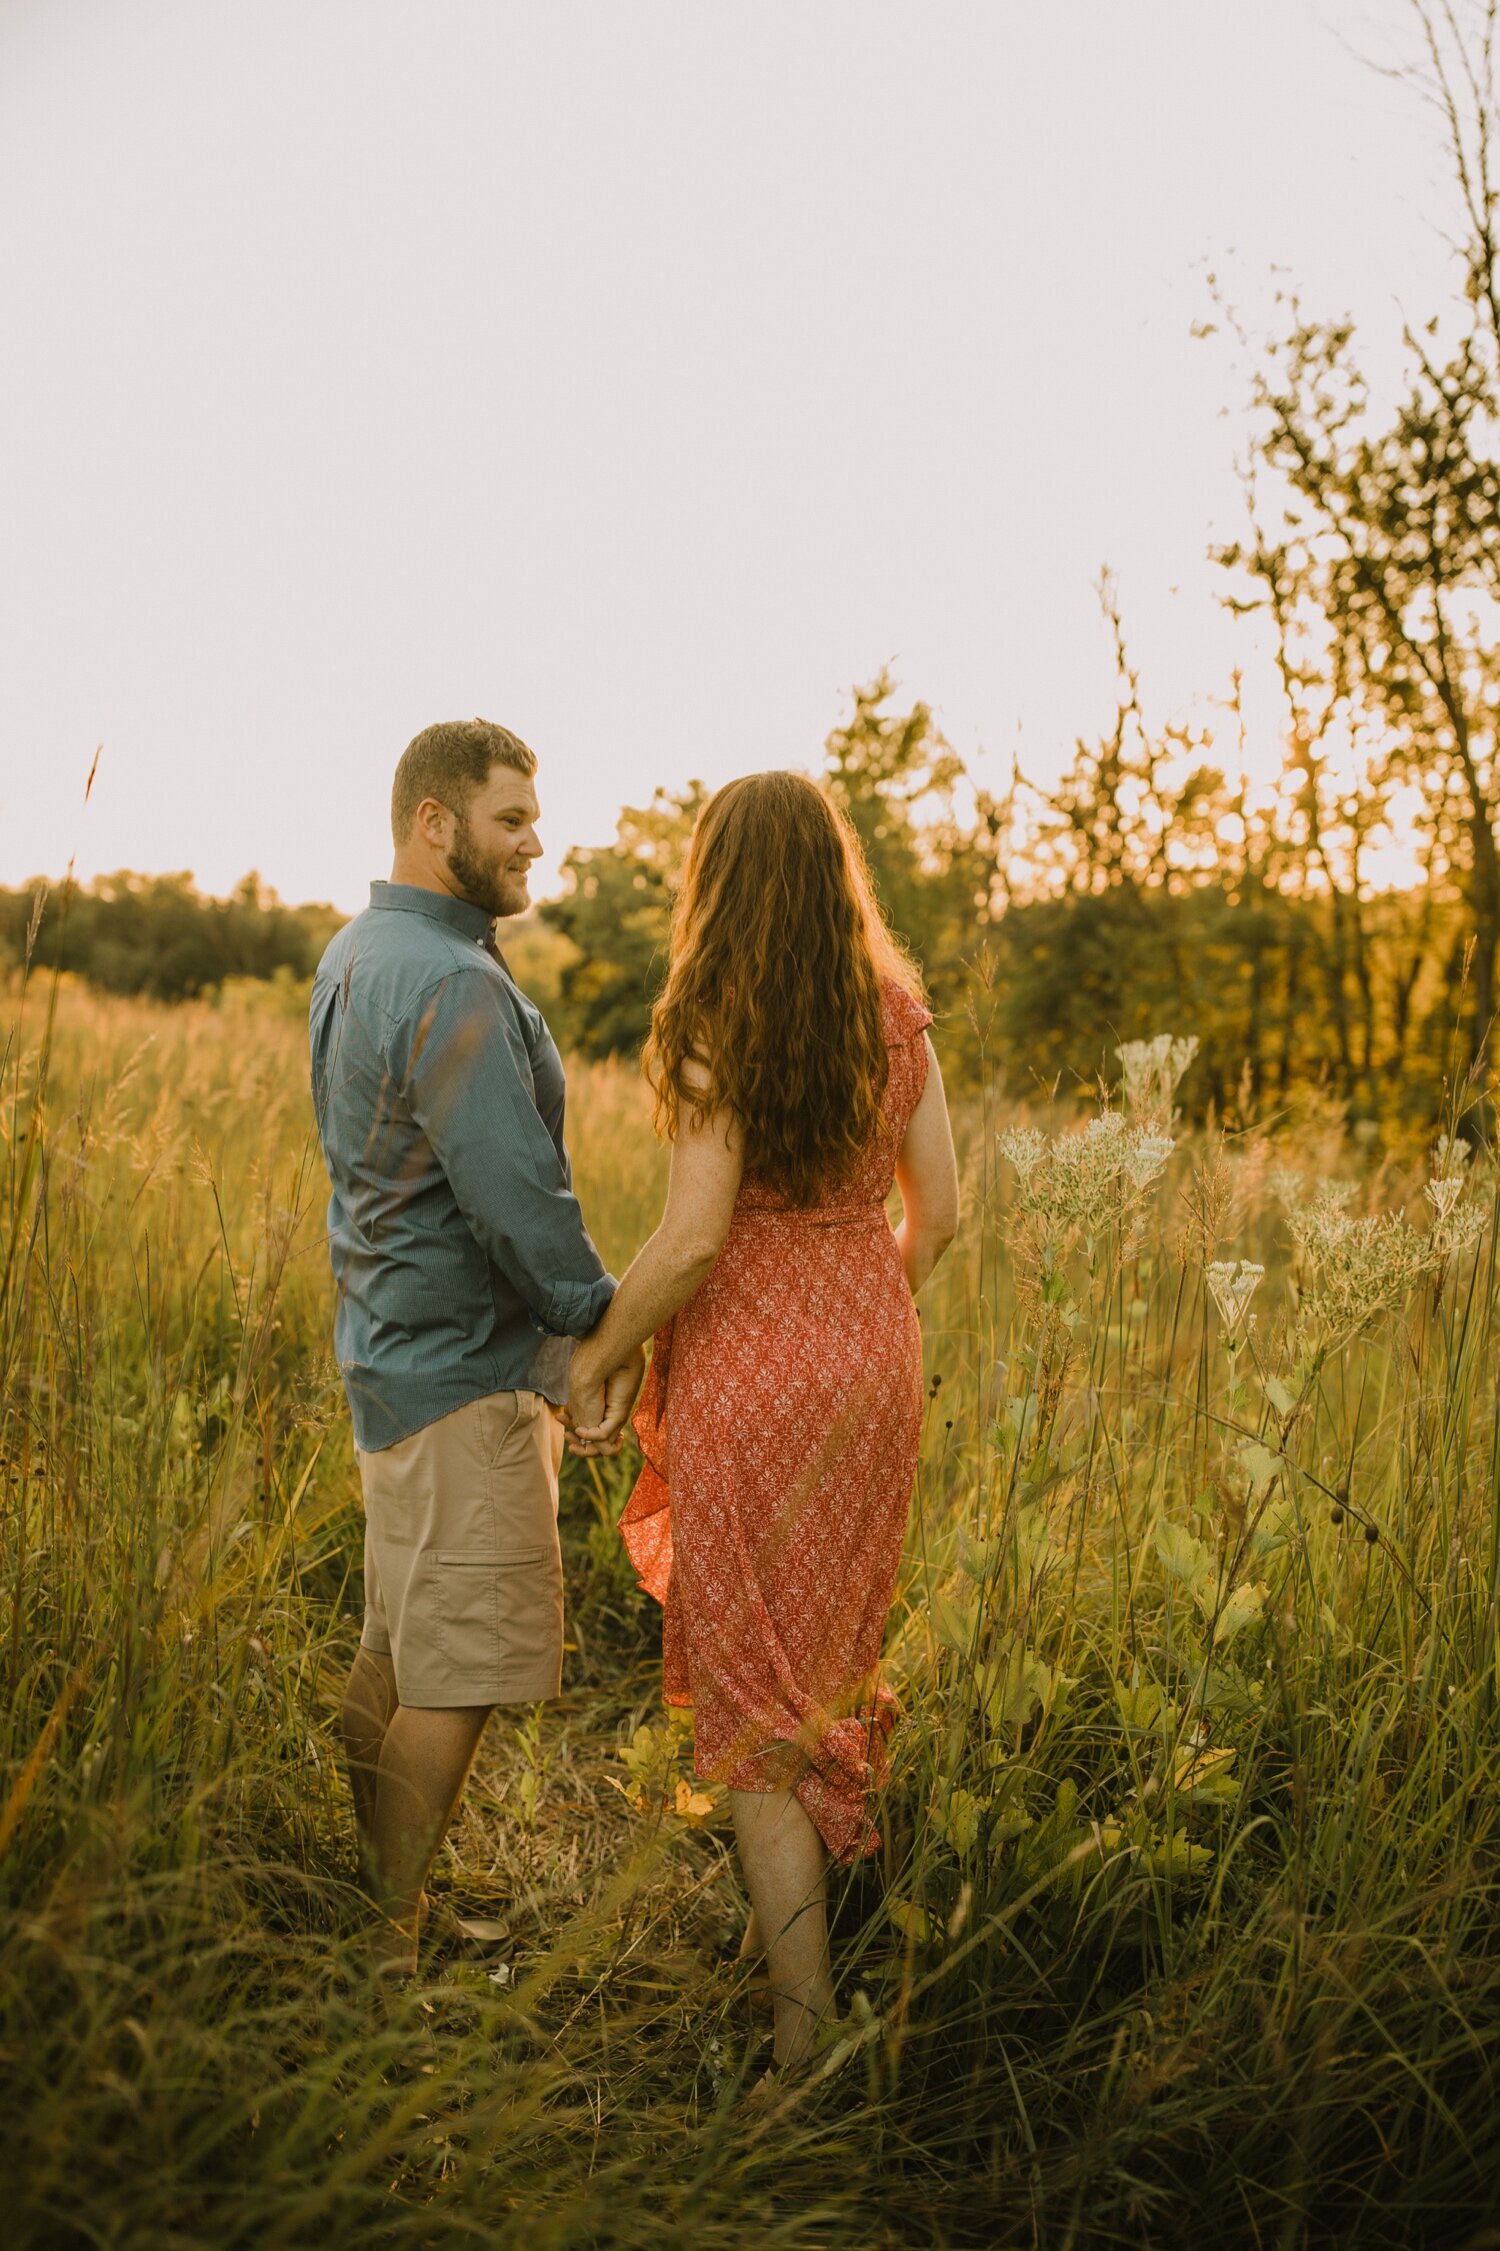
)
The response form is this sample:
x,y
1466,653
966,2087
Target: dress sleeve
x,y
905,1017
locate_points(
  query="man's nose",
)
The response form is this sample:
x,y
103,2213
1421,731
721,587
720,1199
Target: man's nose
x,y
531,847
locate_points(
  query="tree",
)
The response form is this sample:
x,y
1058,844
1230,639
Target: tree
x,y
156,934
895,778
616,914
1390,530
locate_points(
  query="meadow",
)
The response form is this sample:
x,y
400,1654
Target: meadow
x,y
1187,1914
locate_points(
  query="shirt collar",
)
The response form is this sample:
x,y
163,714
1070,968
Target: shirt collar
x,y
410,898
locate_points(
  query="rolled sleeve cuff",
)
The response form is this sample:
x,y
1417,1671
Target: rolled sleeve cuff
x,y
575,1308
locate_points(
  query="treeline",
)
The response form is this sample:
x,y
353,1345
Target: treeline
x,y
1155,887
158,935
1144,893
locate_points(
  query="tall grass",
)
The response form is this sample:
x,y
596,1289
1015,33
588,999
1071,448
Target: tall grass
x,y
1186,1914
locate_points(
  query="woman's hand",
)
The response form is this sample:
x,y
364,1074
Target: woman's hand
x,y
600,1399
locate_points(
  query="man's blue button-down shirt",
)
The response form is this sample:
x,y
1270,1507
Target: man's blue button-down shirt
x,y
462,1261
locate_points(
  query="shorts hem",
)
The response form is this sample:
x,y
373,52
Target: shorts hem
x,y
538,1689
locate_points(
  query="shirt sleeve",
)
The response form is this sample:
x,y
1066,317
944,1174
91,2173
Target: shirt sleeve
x,y
465,1072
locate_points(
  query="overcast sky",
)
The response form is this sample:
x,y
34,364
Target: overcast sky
x,y
638,374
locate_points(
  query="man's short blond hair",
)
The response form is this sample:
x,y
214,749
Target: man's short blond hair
x,y
450,762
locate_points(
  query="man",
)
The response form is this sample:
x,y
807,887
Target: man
x,y
464,1270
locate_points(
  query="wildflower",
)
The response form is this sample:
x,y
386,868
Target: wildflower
x,y
1085,1181
1232,1284
1457,1230
1285,1182
1456,1225
1450,1157
1146,1155
1024,1147
1354,1270
1151,1072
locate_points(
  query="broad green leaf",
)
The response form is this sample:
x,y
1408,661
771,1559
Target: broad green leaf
x,y
957,1817
1184,1555
974,1556
912,1920
1034,1548
1192,1769
1020,1414
1260,1466
1139,1707
1174,1856
954,1618
1244,1605
1013,1686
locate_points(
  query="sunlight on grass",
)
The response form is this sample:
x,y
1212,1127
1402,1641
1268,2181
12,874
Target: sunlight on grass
x,y
1187,1902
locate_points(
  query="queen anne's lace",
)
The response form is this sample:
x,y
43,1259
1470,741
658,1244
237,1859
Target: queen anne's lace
x,y
1232,1284
1087,1180
1151,1072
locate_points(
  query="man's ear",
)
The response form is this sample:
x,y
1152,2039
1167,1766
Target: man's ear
x,y
431,823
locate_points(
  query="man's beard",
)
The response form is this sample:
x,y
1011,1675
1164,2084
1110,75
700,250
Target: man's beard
x,y
484,883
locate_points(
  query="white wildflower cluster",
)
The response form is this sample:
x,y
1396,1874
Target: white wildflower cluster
x,y
1354,1270
1025,1147
1089,1179
1150,1073
1450,1158
1232,1283
1458,1220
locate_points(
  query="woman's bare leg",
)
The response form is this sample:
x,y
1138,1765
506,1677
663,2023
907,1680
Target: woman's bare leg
x,y
785,1867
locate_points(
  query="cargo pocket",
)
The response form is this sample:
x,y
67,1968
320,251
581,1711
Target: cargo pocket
x,y
499,1623
529,1601
465,1602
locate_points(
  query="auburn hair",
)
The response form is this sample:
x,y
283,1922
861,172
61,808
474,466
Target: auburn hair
x,y
777,954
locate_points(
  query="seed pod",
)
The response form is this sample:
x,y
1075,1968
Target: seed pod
x,y
1336,1513
1371,1534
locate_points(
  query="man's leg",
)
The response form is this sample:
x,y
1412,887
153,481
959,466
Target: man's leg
x,y
369,1701
463,1582
424,1763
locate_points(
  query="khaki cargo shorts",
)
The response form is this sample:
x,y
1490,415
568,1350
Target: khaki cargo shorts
x,y
463,1574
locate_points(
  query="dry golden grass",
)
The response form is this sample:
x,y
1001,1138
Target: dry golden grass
x,y
1186,1914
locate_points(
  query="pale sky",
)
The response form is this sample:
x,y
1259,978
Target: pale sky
x,y
639,373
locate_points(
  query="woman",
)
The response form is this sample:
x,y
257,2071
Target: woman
x,y
781,1416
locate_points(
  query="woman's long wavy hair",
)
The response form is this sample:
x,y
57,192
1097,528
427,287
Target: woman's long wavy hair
x,y
777,953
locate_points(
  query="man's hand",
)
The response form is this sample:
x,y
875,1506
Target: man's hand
x,y
600,1400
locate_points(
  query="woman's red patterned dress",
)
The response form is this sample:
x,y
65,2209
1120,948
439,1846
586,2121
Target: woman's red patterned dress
x,y
780,1423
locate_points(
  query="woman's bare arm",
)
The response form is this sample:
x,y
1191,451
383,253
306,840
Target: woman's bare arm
x,y
706,1166
927,1176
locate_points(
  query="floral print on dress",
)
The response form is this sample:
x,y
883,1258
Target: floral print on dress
x,y
780,1423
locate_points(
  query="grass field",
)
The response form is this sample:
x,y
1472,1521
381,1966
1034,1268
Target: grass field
x,y
1186,1919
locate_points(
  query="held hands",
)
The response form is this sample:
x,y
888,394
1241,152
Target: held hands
x,y
600,1400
